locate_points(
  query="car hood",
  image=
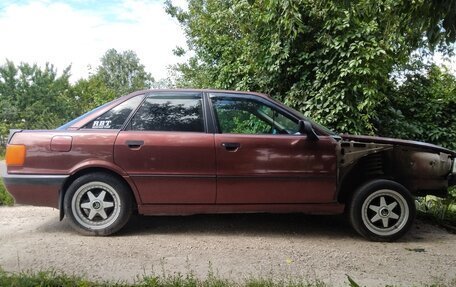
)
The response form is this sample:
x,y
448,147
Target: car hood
x,y
416,144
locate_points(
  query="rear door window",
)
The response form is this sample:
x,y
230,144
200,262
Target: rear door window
x,y
178,113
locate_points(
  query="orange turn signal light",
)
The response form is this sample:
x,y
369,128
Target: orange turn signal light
x,y
15,155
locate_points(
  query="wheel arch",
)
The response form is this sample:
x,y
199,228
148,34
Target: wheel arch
x,y
92,169
368,168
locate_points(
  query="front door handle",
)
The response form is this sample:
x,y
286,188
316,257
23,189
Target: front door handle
x,y
134,144
231,146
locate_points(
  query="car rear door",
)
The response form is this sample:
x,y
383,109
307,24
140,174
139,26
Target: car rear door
x,y
260,163
166,151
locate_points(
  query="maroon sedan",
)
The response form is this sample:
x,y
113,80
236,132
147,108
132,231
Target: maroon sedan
x,y
181,152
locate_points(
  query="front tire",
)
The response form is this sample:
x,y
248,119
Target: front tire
x,y
382,210
98,204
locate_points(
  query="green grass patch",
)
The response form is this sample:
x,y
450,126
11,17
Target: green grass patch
x,y
5,197
55,278
439,210
48,278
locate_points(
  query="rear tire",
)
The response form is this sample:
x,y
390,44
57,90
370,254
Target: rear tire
x,y
98,204
382,210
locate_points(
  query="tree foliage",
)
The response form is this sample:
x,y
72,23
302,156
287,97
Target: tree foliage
x,y
424,108
119,73
330,60
123,72
32,97
436,17
90,93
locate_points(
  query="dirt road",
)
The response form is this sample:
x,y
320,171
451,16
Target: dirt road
x,y
231,246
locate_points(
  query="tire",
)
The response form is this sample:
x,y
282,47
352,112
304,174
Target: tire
x,y
98,204
382,210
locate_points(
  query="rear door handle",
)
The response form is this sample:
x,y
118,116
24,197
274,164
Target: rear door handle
x,y
134,144
231,146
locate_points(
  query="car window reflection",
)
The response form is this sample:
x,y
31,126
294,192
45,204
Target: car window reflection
x,y
165,114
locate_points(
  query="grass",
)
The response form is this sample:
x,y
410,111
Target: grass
x,y
439,210
5,197
56,278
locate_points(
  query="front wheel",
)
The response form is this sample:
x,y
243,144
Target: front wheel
x,y
382,210
98,204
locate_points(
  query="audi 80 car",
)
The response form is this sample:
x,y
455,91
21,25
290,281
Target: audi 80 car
x,y
182,152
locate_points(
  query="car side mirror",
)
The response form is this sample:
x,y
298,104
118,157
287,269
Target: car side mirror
x,y
306,128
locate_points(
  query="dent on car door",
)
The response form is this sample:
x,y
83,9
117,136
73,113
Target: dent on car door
x,y
262,158
167,152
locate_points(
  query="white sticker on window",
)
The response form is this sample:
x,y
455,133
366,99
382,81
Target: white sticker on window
x,y
101,125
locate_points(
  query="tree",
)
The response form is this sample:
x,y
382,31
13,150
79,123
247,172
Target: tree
x,y
32,97
424,108
123,72
436,17
330,60
117,75
89,93
38,98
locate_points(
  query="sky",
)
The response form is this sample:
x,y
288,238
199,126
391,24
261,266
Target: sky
x,y
79,32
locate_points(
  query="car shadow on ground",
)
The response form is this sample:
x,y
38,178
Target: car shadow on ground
x,y
280,225
225,224
245,224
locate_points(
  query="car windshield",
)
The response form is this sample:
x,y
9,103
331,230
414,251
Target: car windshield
x,y
70,123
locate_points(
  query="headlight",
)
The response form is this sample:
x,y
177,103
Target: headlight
x,y
453,170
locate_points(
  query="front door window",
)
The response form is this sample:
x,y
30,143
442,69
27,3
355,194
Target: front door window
x,y
247,116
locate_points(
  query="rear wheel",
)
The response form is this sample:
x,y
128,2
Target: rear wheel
x,y
98,204
382,210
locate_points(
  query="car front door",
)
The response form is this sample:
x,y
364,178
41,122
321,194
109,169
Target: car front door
x,y
262,158
166,151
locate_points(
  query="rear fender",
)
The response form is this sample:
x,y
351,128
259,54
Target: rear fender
x,y
95,163
98,165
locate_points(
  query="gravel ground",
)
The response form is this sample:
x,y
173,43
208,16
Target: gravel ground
x,y
231,246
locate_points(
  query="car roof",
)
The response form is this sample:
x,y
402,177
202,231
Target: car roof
x,y
199,91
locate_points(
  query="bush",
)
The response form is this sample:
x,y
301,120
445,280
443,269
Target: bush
x,y
422,108
441,210
5,197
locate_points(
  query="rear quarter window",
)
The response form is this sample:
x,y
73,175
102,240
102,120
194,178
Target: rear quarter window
x,y
115,117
